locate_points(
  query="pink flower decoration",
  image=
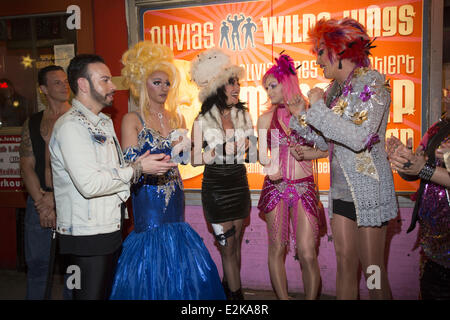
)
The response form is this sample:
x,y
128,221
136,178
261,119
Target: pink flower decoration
x,y
347,89
366,94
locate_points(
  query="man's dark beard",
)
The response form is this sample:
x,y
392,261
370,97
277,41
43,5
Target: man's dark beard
x,y
97,96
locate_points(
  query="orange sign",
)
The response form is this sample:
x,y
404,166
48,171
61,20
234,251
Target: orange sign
x,y
255,32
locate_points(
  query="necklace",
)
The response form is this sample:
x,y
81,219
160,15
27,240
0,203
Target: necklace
x,y
160,117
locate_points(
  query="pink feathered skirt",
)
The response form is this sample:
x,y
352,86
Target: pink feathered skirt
x,y
290,193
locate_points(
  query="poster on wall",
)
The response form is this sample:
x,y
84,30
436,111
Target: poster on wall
x,y
253,33
10,178
63,54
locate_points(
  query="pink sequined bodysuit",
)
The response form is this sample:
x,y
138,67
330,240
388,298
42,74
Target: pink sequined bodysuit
x,y
288,190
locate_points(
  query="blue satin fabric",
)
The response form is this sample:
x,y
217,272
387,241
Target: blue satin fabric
x,y
163,258
151,216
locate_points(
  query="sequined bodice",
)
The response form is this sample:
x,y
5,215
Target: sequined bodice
x,y
157,199
149,139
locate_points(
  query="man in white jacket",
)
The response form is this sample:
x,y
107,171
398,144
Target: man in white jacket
x,y
91,179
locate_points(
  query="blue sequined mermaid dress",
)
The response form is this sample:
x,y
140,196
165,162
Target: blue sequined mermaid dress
x,y
163,258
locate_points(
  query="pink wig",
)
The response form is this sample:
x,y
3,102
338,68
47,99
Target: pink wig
x,y
344,39
286,74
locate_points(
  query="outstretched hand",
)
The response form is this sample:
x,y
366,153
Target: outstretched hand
x,y
155,163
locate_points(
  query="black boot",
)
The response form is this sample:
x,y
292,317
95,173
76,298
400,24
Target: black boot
x,y
237,295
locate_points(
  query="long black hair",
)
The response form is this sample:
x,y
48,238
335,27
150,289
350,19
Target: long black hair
x,y
220,100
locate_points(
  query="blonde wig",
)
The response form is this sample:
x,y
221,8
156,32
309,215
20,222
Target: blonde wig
x,y
140,62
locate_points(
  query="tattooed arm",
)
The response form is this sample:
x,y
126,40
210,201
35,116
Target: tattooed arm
x,y
45,207
27,164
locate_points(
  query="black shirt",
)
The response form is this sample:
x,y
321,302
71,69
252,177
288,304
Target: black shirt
x,y
95,245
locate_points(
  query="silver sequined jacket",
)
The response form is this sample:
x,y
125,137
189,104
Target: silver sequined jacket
x,y
361,111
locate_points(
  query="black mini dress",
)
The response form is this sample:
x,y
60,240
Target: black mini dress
x,y
225,189
225,192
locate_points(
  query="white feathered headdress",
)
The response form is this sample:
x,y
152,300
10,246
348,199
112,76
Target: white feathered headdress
x,y
211,69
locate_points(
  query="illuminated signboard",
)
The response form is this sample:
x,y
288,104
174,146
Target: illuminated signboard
x,y
254,32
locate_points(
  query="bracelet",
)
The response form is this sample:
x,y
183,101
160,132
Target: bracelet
x,y
137,171
427,171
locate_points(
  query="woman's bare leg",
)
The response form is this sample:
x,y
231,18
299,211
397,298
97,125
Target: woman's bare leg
x,y
306,251
276,254
345,238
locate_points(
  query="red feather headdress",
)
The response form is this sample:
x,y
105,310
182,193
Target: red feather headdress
x,y
344,39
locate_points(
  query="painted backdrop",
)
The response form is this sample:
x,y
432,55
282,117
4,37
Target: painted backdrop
x,y
255,32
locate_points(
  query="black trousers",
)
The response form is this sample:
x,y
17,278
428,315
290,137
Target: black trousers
x,y
97,275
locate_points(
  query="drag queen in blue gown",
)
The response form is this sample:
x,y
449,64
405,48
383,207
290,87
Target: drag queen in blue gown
x,y
163,258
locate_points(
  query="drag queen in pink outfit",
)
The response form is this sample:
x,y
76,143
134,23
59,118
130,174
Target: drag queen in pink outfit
x,y
289,192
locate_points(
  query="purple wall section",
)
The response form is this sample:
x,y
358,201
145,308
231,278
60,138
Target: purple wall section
x,y
403,256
